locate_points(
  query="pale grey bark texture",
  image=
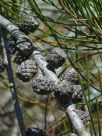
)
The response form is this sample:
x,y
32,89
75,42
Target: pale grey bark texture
x,y
40,60
77,123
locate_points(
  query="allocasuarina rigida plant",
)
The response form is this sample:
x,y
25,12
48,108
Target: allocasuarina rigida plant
x,y
41,70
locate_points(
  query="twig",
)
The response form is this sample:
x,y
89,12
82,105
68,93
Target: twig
x,y
12,85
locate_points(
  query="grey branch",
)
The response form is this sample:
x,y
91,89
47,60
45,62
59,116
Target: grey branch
x,y
75,119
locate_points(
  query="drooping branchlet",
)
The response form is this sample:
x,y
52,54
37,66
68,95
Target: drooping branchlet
x,y
28,23
56,57
35,132
27,70
43,86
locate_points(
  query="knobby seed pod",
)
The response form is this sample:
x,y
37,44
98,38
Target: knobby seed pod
x,y
63,91
19,58
24,46
12,46
77,94
2,65
28,24
56,57
43,86
27,70
35,132
83,115
70,75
